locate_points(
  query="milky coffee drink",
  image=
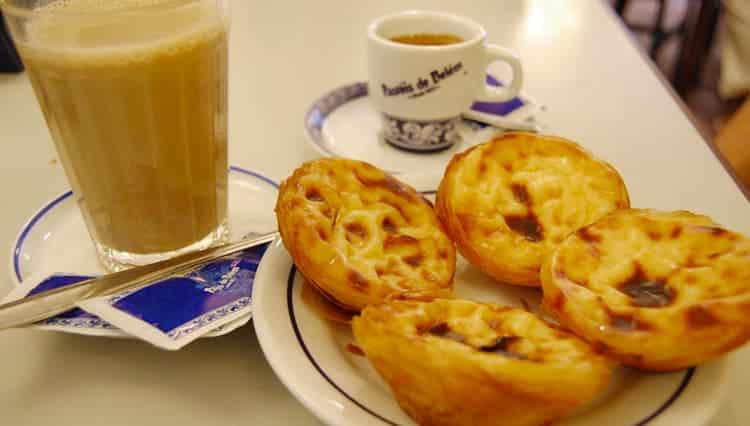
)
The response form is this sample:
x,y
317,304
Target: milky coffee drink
x,y
136,101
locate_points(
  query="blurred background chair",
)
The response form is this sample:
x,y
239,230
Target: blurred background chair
x,y
703,49
696,30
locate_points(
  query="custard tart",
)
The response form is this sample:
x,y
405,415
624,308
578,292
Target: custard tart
x,y
509,202
656,290
456,362
359,235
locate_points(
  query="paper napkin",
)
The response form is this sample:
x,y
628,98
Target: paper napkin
x,y
210,300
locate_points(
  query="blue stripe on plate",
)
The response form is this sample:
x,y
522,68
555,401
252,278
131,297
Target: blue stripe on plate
x,y
325,105
290,307
27,229
254,174
293,319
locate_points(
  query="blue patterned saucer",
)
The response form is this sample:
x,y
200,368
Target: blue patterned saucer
x,y
343,123
54,249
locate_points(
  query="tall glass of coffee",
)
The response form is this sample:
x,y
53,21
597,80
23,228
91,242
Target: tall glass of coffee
x,y
134,93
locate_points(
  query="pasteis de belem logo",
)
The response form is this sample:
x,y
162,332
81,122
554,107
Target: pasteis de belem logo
x,y
423,85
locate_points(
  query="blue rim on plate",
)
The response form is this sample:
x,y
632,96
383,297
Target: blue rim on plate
x,y
316,115
689,373
322,114
18,246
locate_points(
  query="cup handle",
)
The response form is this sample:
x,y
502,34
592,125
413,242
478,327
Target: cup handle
x,y
494,53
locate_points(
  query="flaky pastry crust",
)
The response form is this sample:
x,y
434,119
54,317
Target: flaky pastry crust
x,y
508,202
456,362
656,290
360,235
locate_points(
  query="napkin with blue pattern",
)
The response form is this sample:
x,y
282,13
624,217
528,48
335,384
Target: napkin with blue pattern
x,y
210,300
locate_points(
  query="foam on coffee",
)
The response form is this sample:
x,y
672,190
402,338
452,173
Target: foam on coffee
x,y
159,31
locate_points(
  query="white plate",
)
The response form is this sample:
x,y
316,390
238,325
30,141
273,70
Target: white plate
x,y
343,123
309,355
55,239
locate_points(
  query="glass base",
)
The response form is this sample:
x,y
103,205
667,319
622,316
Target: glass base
x,y
116,260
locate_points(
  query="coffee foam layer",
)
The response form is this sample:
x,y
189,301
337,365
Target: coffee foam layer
x,y
86,40
104,5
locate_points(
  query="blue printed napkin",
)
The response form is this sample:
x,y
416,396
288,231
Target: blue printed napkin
x,y
213,299
519,113
74,321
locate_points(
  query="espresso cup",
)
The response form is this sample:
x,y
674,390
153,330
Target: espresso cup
x,y
425,69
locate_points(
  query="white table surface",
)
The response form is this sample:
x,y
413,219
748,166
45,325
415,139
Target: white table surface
x,y
578,61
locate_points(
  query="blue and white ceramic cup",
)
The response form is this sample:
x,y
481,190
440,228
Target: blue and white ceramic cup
x,y
421,90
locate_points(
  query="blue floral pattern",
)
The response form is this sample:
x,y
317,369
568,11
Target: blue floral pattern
x,y
219,288
207,318
180,305
92,322
419,135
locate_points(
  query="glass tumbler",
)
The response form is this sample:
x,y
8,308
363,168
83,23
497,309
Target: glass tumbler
x,y
134,93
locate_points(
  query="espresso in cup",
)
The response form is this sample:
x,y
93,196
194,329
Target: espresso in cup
x,y
425,70
427,39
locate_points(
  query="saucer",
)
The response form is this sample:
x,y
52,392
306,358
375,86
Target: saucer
x,y
343,123
55,241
